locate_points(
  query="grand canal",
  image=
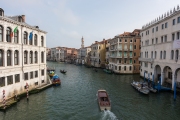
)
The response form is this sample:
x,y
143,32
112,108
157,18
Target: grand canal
x,y
76,99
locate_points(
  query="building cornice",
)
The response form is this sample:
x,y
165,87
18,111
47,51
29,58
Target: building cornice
x,y
21,24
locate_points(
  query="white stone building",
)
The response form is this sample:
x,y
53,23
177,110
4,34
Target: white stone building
x,y
158,56
21,60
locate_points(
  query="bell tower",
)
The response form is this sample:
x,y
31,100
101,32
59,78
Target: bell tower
x,y
82,42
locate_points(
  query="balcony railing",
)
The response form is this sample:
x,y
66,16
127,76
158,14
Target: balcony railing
x,y
146,60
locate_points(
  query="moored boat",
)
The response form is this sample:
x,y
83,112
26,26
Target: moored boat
x,y
141,87
51,73
56,80
103,100
108,71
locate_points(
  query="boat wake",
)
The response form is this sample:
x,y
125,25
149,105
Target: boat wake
x,y
108,115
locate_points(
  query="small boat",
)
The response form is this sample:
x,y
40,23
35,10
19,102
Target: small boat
x,y
103,100
108,71
63,71
56,80
51,73
141,87
152,89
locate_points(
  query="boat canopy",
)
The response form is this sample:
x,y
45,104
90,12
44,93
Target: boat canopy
x,y
102,94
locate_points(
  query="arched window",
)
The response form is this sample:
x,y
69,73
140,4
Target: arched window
x,y
31,40
25,38
164,54
151,54
1,57
42,41
172,54
16,37
161,55
35,57
124,68
8,58
177,54
130,68
155,55
8,34
31,57
25,57
147,54
16,57
35,40
42,57
1,33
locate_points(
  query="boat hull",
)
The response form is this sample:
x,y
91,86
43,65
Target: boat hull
x,y
103,100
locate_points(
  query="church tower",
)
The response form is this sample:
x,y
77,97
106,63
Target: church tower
x,y
82,42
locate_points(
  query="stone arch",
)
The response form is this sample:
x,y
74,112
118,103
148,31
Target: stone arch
x,y
157,72
167,76
177,74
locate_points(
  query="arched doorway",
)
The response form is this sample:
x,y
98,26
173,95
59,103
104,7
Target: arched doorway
x,y
177,77
167,76
157,73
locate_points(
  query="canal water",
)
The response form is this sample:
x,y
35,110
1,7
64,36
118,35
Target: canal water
x,y
76,99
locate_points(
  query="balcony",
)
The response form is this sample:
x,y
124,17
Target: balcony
x,y
130,49
130,56
119,49
125,49
125,56
119,56
151,60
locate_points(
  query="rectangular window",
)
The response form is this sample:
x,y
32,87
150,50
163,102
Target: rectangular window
x,y
173,36
9,80
17,78
134,46
134,54
152,41
161,39
134,61
162,26
151,65
130,61
31,75
36,74
165,38
153,30
178,20
119,68
177,35
146,64
42,81
25,76
174,21
157,28
42,72
2,81
156,40
166,25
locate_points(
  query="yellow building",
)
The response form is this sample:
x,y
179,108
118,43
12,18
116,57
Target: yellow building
x,y
98,53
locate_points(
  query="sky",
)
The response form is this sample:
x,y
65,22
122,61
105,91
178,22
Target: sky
x,y
66,21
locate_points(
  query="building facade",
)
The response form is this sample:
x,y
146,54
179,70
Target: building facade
x,y
159,59
98,54
124,52
22,55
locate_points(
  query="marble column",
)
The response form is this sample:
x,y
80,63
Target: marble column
x,y
5,58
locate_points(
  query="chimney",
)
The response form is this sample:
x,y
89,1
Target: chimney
x,y
96,41
23,18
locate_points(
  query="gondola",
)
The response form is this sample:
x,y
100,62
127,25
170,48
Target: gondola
x,y
63,71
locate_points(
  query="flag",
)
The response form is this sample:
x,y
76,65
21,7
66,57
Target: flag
x,y
15,29
30,35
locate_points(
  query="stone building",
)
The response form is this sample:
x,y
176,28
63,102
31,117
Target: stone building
x,y
124,51
159,58
98,54
22,55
